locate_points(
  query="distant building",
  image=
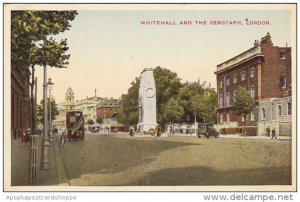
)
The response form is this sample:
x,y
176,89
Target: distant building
x,y
88,107
63,108
265,70
107,110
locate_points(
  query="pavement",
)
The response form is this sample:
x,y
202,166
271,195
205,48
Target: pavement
x,y
220,136
21,165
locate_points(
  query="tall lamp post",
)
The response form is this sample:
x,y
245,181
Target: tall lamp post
x,y
45,162
50,87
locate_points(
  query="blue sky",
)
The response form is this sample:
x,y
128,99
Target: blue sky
x,y
109,48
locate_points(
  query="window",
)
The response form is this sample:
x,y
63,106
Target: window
x,y
234,78
282,55
227,82
282,81
263,114
227,99
228,117
243,76
221,101
252,91
221,84
243,119
279,110
252,116
252,72
221,118
289,110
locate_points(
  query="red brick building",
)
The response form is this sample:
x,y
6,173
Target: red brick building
x,y
107,107
265,70
20,101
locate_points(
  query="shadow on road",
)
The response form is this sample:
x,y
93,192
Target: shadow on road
x,y
110,154
206,176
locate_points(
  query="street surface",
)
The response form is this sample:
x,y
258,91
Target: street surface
x,y
119,159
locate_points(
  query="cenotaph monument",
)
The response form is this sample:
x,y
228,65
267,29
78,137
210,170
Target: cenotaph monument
x,y
147,101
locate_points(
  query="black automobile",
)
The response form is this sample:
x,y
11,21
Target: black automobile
x,y
206,129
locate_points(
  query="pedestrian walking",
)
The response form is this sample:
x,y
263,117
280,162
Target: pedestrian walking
x,y
63,137
268,130
274,133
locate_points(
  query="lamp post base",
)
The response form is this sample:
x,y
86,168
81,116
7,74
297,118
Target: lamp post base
x,y
45,163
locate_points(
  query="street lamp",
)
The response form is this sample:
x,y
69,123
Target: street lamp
x,y
195,124
50,87
45,162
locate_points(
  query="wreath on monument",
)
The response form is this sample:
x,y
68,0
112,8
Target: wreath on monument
x,y
152,131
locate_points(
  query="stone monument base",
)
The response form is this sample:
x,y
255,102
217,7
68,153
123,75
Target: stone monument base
x,y
145,127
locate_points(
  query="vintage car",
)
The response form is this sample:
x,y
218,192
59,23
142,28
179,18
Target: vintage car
x,y
207,130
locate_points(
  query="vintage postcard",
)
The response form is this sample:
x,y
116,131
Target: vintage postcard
x,y
150,97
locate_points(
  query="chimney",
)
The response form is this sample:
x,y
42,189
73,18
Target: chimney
x,y
266,39
256,43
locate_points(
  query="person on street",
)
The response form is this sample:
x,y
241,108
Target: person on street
x,y
63,137
268,130
274,133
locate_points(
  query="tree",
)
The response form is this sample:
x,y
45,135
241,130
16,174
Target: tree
x,y
187,93
129,110
31,27
205,106
167,85
172,111
40,110
243,104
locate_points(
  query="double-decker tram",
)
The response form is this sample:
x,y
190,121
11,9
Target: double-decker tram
x,y
75,125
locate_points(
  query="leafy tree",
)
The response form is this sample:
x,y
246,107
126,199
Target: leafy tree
x,y
176,102
40,110
187,93
243,103
129,110
167,85
205,106
31,27
172,111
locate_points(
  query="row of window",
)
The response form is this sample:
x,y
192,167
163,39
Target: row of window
x,y
222,120
279,110
235,77
227,103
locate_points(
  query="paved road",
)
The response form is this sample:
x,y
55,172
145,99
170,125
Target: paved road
x,y
124,160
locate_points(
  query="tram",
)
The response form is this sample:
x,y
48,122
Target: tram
x,y
75,125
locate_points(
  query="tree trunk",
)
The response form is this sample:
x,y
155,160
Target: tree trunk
x,y
32,101
245,125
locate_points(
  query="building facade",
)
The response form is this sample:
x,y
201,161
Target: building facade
x,y
265,70
88,107
107,109
20,101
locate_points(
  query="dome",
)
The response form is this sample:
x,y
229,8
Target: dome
x,y
69,91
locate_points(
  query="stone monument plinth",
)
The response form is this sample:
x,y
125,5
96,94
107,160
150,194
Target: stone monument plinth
x,y
147,101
